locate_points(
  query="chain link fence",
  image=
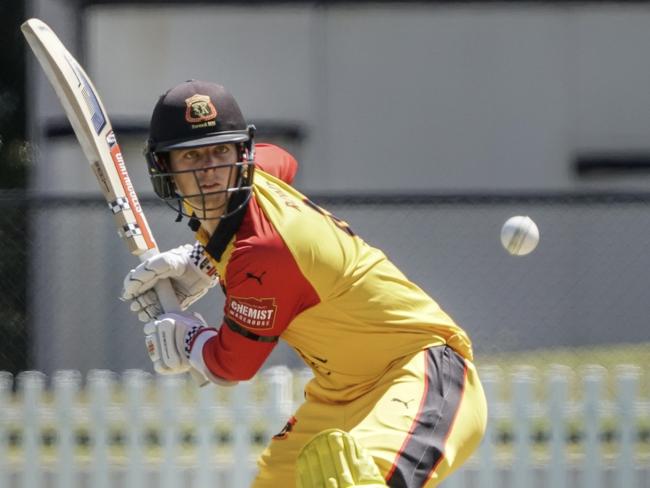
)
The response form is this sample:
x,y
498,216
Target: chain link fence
x,y
14,331
585,286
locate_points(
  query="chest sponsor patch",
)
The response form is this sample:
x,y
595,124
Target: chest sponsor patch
x,y
253,313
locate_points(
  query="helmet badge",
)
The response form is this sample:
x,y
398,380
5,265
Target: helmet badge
x,y
200,110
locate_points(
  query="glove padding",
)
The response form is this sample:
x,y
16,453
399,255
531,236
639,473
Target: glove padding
x,y
169,340
333,459
189,270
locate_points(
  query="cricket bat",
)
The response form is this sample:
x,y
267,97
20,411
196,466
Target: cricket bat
x,y
94,132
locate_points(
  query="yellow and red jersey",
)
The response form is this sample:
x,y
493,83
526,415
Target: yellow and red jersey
x,y
290,269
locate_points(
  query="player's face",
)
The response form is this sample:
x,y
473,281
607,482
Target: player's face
x,y
203,176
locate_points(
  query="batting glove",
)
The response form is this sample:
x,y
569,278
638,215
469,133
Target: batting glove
x,y
189,270
171,338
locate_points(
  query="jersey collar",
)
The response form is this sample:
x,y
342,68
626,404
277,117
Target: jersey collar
x,y
228,226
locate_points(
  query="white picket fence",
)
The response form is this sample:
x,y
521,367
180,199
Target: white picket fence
x,y
133,430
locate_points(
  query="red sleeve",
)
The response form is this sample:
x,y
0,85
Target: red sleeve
x,y
265,290
276,162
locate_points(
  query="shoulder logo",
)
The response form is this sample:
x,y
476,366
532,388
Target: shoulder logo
x,y
199,108
252,313
255,277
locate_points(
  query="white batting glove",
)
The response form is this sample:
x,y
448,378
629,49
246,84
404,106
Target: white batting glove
x,y
189,269
170,340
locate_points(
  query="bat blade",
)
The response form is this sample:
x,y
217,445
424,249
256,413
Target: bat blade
x,y
94,131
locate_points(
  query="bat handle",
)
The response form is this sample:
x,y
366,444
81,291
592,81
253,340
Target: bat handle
x,y
169,303
167,296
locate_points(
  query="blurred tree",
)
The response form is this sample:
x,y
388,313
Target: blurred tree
x,y
14,153
15,157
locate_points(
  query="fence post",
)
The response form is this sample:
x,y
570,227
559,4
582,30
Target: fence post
x,y
304,376
558,387
205,429
31,384
522,381
100,383
6,381
456,480
593,390
279,400
66,387
170,388
490,378
135,383
240,408
627,385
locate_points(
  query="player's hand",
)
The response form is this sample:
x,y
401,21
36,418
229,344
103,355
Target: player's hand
x,y
189,270
170,338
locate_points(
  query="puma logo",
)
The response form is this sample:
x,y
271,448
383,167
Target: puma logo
x,y
256,278
405,403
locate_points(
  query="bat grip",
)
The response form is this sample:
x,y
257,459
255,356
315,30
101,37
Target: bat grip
x,y
167,296
169,303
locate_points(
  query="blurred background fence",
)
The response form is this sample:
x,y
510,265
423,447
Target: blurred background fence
x,y
584,287
562,428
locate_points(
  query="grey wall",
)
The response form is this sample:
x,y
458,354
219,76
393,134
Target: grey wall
x,y
393,98
402,97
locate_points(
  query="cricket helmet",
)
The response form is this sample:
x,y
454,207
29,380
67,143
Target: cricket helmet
x,y
197,114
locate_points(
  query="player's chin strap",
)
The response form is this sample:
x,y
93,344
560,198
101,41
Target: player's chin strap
x,y
227,226
333,459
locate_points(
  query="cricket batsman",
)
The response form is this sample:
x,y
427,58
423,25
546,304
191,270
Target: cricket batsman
x,y
395,399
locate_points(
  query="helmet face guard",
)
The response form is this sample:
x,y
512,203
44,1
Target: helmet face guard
x,y
198,204
198,114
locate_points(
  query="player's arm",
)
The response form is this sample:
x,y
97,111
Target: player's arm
x,y
276,161
265,290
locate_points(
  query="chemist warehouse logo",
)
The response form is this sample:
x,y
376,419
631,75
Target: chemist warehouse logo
x,y
254,313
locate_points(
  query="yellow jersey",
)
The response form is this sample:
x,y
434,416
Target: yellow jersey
x,y
291,269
